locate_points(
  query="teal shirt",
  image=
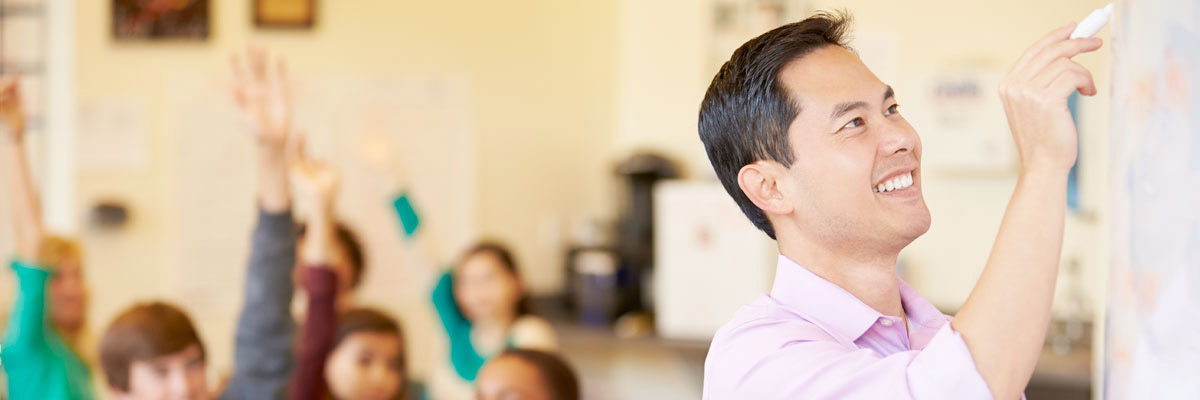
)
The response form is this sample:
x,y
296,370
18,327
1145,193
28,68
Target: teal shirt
x,y
39,365
463,356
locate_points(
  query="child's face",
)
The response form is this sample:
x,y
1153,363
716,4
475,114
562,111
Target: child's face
x,y
485,289
67,296
510,378
178,376
366,365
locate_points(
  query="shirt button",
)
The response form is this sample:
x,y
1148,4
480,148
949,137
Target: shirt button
x,y
886,322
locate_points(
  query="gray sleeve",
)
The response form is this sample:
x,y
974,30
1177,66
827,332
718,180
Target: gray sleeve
x,y
263,343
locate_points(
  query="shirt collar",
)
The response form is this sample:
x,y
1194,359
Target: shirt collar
x,y
836,310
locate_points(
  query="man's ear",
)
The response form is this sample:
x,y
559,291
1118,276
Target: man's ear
x,y
760,181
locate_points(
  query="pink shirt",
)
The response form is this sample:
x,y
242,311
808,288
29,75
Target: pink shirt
x,y
811,339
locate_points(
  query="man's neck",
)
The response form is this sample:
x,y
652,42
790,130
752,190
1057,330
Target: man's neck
x,y
872,279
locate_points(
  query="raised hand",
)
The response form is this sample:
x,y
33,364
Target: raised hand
x,y
22,194
314,181
263,95
316,184
1035,96
10,109
263,98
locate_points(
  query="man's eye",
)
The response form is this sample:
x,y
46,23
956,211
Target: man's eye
x,y
895,108
854,123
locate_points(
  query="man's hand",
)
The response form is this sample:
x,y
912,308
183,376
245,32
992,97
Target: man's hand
x,y
10,110
1035,96
1004,320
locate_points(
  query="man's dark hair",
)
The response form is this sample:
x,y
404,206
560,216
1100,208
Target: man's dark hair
x,y
349,241
143,332
561,382
746,111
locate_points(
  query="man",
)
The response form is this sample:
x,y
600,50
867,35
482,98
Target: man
x,y
814,149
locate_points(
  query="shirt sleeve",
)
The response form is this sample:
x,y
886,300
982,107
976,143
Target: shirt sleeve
x,y
465,359
265,330
944,369
316,335
27,328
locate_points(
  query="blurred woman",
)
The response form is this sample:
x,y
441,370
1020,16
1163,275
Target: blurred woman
x,y
40,363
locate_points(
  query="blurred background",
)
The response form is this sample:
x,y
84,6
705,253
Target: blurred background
x,y
566,129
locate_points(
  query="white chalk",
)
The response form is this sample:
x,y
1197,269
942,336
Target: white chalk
x,y
1092,24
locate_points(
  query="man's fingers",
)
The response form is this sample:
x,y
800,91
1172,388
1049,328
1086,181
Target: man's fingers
x,y
1051,72
1064,49
1057,35
1073,80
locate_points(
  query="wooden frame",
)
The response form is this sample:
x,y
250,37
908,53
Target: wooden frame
x,y
297,14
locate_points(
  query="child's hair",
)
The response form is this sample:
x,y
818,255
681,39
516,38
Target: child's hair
x,y
142,332
57,249
502,253
558,377
364,319
349,241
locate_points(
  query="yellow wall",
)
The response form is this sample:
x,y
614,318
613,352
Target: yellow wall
x,y
542,73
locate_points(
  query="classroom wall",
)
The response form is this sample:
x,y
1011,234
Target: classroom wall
x,y
540,72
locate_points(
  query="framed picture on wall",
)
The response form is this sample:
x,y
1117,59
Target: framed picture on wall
x,y
160,19
284,13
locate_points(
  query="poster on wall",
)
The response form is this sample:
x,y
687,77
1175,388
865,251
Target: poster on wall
x,y
160,19
284,13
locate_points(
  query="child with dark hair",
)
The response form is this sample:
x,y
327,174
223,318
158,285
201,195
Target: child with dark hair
x,y
526,374
480,300
363,358
152,351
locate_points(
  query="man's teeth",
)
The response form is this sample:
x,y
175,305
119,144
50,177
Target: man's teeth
x,y
897,183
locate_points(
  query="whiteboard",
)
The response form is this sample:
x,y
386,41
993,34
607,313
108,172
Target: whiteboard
x,y
1153,333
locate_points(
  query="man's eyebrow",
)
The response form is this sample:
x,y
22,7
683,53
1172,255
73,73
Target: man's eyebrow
x,y
843,108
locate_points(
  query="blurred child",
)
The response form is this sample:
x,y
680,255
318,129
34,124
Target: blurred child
x,y
359,355
527,375
481,302
263,348
367,358
151,352
40,363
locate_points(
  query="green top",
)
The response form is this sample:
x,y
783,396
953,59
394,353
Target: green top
x,y
463,355
39,365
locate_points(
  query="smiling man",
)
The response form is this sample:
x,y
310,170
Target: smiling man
x,y
814,149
